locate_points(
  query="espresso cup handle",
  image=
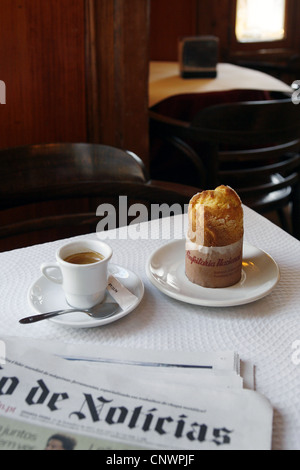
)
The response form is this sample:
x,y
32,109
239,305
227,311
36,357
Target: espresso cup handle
x,y
54,266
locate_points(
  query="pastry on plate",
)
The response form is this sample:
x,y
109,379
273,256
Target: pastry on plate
x,y
214,245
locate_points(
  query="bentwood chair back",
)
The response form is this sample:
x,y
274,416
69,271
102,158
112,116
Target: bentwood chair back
x,y
53,191
251,146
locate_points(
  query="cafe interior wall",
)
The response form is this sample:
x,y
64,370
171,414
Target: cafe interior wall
x,y
172,20
70,70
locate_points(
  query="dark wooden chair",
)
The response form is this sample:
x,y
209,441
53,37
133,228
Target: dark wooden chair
x,y
251,146
52,191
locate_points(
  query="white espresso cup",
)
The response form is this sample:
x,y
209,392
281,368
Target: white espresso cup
x,y
81,272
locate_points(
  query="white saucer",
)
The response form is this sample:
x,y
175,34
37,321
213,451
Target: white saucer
x,y
166,271
46,296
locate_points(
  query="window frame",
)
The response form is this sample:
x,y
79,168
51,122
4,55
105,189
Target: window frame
x,y
282,47
258,41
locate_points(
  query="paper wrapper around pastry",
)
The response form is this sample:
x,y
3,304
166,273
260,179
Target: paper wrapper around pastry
x,y
214,267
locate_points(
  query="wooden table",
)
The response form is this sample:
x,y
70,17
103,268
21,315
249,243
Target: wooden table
x,y
165,81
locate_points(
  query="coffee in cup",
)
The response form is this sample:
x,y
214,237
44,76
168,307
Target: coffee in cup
x,y
86,257
81,269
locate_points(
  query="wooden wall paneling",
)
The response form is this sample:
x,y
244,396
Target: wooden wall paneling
x,y
75,71
215,18
42,62
171,20
117,83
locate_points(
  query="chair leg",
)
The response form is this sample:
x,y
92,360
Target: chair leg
x,y
296,212
192,156
284,222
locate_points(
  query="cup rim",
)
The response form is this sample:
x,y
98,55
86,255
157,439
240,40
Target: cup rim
x,y
106,258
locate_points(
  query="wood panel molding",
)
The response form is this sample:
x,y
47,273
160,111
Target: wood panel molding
x,y
117,73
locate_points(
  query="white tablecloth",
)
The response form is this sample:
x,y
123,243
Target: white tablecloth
x,y
263,332
165,81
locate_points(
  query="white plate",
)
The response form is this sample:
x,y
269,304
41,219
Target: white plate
x,y
46,296
166,271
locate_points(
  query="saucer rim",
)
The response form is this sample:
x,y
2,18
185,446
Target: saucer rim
x,y
212,302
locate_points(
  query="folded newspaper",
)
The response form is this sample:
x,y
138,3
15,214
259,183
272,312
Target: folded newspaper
x,y
87,397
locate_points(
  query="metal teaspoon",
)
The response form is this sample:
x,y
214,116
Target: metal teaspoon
x,y
98,311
